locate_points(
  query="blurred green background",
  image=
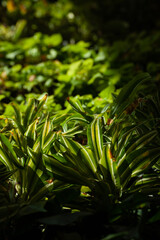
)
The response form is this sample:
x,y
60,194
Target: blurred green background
x,y
68,47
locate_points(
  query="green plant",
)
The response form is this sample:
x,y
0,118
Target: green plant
x,y
26,186
101,158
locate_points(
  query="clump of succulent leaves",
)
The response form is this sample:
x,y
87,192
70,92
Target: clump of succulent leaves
x,y
106,157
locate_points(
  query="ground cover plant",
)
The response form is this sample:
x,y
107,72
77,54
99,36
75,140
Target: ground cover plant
x,y
42,64
79,120
35,58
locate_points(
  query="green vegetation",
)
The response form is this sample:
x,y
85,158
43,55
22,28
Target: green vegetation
x,y
79,121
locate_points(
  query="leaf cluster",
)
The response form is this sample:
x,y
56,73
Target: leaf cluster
x,y
103,161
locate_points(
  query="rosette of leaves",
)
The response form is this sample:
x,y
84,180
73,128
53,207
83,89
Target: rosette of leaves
x,y
119,156
26,185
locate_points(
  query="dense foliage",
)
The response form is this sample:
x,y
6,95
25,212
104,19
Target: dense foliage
x,y
79,120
